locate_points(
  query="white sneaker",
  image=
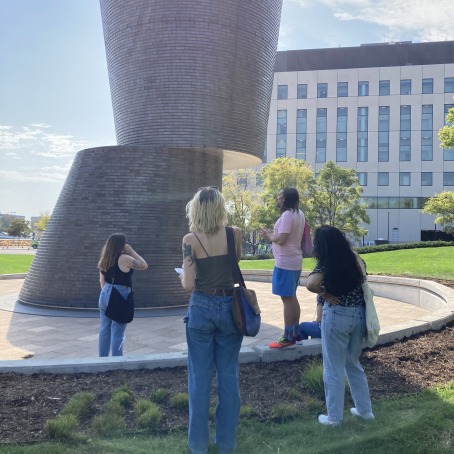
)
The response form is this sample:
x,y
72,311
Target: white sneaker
x,y
365,416
324,419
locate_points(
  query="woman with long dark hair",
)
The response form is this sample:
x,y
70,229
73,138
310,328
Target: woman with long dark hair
x,y
213,340
337,279
117,262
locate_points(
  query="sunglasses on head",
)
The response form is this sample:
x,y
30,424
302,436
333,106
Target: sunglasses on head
x,y
208,187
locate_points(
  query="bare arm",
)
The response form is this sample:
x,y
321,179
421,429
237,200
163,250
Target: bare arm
x,y
314,284
189,266
102,281
318,316
279,239
131,259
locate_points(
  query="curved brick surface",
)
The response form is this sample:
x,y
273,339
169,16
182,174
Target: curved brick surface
x,y
192,73
140,191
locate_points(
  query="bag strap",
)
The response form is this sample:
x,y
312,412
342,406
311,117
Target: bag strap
x,y
113,274
236,272
198,239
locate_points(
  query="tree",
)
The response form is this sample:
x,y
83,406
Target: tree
x,y
335,200
277,175
446,134
18,227
442,206
242,196
44,218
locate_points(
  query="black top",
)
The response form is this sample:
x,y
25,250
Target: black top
x,y
120,278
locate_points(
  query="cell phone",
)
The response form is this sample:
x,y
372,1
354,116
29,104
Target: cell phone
x,y
179,270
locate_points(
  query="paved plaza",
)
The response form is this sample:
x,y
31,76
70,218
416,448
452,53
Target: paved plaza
x,y
55,335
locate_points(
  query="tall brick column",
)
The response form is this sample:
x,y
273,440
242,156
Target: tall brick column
x,y
191,83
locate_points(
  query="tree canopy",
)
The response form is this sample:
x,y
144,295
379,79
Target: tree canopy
x,y
18,227
442,206
446,134
334,199
43,220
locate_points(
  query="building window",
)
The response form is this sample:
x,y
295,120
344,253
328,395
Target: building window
x,y
362,134
363,88
320,151
362,178
383,88
383,133
448,153
281,139
282,91
322,90
427,133
427,86
449,84
405,134
426,178
301,91
301,131
405,87
342,89
448,178
383,179
404,178
341,134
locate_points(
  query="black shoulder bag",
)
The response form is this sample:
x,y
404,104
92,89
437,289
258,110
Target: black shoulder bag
x,y
119,309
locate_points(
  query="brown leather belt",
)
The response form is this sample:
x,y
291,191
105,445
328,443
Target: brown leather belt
x,y
217,292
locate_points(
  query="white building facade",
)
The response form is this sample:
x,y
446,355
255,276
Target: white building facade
x,y
376,109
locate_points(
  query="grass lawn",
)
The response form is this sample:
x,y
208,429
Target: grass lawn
x,y
419,423
428,262
15,263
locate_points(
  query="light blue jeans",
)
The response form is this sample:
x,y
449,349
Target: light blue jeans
x,y
111,333
213,342
343,330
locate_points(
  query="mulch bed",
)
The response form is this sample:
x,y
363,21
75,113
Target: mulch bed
x,y
396,369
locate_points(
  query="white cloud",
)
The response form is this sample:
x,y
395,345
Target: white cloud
x,y
33,139
424,20
40,177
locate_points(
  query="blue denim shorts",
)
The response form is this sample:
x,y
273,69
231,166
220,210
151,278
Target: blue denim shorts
x,y
285,282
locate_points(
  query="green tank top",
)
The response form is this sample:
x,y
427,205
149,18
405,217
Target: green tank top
x,y
212,273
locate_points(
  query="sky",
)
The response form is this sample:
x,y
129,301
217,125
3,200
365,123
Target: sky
x,y
54,89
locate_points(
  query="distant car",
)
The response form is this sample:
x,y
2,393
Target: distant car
x,y
35,244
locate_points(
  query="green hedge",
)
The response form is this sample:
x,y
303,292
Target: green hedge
x,y
397,246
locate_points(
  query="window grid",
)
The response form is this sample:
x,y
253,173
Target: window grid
x,y
301,133
405,134
383,134
362,134
341,134
320,151
281,137
427,133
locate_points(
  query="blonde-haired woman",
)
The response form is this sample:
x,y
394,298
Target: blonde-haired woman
x,y
213,339
117,262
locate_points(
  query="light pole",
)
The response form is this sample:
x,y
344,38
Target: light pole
x,y
388,228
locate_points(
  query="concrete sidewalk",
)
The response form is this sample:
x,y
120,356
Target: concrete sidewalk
x,y
24,334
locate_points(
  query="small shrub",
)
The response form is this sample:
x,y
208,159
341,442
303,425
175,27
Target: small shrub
x,y
123,395
108,424
114,408
313,379
180,401
147,414
246,411
295,394
79,405
313,406
62,427
159,395
283,411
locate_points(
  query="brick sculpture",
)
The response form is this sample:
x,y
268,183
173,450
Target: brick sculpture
x,y
191,84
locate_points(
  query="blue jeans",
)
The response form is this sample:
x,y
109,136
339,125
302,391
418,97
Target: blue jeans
x,y
213,342
111,333
343,330
311,329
